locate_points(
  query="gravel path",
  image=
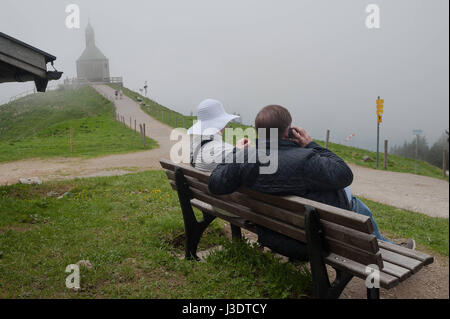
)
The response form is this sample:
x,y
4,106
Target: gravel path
x,y
408,191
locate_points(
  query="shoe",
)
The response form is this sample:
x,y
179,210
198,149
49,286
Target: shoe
x,y
410,243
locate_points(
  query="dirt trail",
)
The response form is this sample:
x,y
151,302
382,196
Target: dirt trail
x,y
416,193
408,191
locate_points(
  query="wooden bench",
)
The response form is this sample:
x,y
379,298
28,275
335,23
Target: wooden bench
x,y
336,237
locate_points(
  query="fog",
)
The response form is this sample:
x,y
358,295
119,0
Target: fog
x,y
317,58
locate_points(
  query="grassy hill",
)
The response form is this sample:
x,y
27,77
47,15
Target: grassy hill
x,y
350,154
38,125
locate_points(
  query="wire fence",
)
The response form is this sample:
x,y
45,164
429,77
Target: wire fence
x,y
33,91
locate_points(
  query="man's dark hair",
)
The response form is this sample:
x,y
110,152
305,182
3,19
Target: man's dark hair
x,y
273,116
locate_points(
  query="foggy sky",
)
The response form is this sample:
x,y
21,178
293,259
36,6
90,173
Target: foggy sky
x,y
315,57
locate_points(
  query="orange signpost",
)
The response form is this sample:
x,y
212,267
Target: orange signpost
x,y
380,105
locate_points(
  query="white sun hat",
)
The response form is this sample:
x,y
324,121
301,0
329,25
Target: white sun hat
x,y
211,118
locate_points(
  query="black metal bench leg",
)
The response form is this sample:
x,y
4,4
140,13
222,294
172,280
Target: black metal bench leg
x,y
322,288
339,284
373,293
236,233
193,228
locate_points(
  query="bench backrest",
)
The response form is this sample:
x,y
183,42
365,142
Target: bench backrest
x,y
347,234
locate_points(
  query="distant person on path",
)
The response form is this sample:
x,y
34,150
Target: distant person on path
x,y
116,93
304,169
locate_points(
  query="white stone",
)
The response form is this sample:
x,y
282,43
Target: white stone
x,y
30,180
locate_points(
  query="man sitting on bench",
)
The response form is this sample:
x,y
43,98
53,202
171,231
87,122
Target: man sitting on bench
x,y
304,169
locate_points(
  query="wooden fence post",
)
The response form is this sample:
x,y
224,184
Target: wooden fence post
x,y
135,125
143,134
327,138
385,154
444,164
71,140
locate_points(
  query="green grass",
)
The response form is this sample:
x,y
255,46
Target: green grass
x,y
131,229
395,223
396,163
39,126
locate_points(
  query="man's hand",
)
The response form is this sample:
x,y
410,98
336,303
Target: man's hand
x,y
243,143
301,136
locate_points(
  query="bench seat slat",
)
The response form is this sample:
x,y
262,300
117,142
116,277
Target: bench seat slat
x,y
396,271
246,213
187,170
387,281
406,262
330,213
350,236
424,258
240,222
294,219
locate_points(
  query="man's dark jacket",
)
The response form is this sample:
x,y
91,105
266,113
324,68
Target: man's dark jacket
x,y
312,172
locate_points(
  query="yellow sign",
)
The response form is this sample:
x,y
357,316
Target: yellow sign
x,y
380,118
380,103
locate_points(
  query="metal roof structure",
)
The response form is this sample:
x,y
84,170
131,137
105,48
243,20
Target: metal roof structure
x,y
21,62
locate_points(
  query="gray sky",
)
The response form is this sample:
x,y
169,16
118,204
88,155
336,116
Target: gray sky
x,y
315,57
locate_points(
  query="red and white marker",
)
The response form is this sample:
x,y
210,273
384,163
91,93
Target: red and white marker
x,y
348,138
